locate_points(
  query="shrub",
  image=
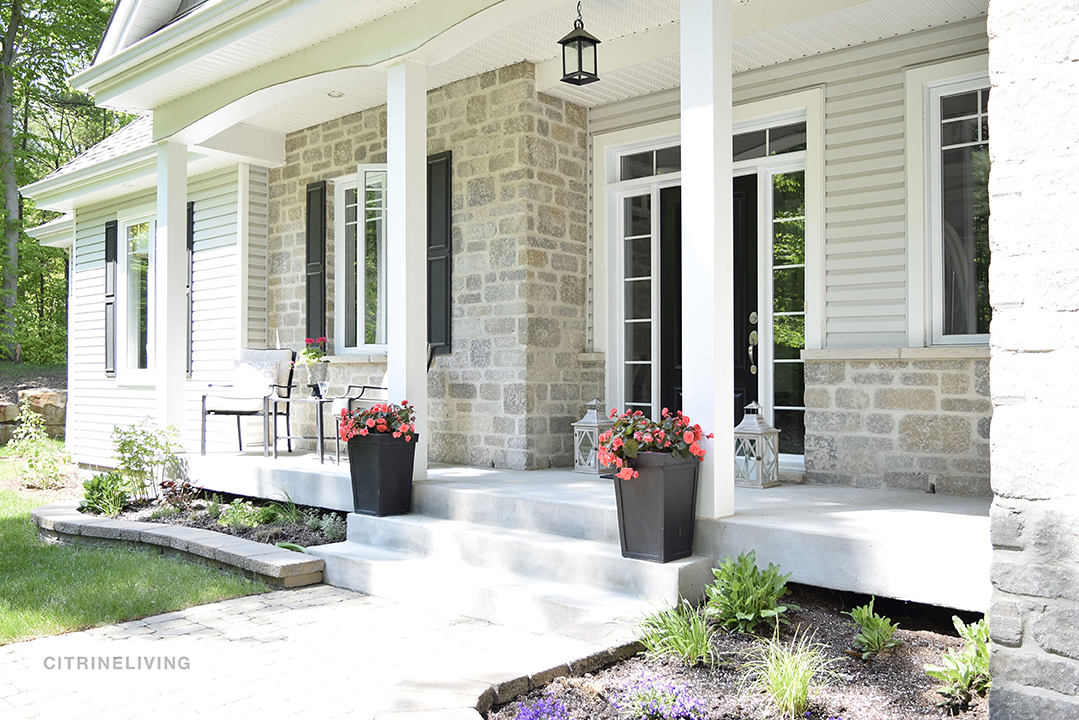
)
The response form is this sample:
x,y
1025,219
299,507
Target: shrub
x,y
875,632
214,508
743,597
239,514
546,708
679,631
31,443
105,493
650,698
788,672
178,494
144,452
965,672
312,520
333,527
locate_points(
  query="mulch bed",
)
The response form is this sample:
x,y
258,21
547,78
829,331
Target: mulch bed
x,y
197,516
890,688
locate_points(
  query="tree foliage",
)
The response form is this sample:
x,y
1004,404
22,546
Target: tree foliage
x,y
44,123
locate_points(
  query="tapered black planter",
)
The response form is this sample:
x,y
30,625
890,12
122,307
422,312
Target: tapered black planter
x,y
657,509
381,467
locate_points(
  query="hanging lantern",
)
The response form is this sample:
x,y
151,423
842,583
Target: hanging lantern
x,y
756,451
579,54
586,432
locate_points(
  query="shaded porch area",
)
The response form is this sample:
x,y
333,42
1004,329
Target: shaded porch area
x,y
925,548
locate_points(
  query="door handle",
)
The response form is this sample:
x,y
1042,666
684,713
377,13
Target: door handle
x,y
753,340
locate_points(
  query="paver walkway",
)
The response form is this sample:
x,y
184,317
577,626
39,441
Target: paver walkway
x,y
318,652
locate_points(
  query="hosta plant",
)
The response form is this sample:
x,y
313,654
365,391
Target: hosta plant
x,y
965,672
876,633
743,597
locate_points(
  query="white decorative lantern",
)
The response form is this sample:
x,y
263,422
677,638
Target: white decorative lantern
x,y
756,451
586,432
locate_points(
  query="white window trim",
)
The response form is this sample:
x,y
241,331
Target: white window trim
x,y
125,374
921,159
340,186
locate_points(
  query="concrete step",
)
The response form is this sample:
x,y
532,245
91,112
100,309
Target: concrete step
x,y
573,506
540,556
490,594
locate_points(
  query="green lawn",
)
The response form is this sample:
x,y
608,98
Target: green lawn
x,y
52,589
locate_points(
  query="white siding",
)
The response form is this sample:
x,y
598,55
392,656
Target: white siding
x,y
865,187
257,256
97,403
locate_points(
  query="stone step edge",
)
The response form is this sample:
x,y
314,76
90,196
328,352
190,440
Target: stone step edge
x,y
506,691
62,522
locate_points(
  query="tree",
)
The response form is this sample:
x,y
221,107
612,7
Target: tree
x,y
43,124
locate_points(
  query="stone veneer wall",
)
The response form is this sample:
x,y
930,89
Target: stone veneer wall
x,y
512,386
1034,287
905,419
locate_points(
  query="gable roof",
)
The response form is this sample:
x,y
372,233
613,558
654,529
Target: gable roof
x,y
136,135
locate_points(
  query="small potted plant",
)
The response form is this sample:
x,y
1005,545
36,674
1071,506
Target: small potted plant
x,y
381,452
655,482
313,357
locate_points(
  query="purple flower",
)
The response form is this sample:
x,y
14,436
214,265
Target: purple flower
x,y
650,698
546,708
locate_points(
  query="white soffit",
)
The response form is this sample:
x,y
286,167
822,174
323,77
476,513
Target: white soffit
x,y
535,39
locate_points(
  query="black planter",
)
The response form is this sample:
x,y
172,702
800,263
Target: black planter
x,y
381,467
657,509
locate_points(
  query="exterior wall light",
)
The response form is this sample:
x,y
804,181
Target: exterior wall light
x,y
756,451
586,432
579,54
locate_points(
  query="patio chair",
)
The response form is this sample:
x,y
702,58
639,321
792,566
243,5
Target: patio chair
x,y
261,377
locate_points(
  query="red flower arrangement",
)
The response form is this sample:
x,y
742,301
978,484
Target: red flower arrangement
x,y
385,418
635,433
313,352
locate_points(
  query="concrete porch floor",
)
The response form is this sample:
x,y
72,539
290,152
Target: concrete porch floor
x,y
911,546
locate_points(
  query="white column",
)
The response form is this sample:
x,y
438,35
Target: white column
x,y
707,251
406,266
170,282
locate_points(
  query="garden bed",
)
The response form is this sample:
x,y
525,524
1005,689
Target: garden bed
x,y
260,521
894,687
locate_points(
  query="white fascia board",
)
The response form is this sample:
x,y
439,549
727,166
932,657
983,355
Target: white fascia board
x,y
56,233
197,34
59,194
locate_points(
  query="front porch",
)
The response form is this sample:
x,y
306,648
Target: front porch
x,y
927,548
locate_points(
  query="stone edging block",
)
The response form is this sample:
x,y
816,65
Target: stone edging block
x,y
279,568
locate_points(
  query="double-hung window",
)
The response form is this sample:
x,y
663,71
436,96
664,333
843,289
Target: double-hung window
x,y
360,261
136,301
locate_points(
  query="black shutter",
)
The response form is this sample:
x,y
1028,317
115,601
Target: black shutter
x,y
190,280
110,298
316,259
439,255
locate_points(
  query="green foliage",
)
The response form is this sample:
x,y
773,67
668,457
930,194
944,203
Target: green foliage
x,y
788,672
144,453
333,527
291,546
239,514
32,444
214,508
166,511
52,589
680,631
876,633
649,698
265,514
743,597
312,519
178,494
965,672
105,493
287,512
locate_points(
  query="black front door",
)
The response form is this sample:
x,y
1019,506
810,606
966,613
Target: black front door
x,y
746,352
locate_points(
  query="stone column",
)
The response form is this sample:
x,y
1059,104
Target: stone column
x,y
1034,288
406,243
169,292
707,250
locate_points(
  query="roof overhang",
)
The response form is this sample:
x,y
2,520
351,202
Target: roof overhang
x,y
58,233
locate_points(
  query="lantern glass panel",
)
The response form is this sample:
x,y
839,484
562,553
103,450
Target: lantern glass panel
x,y
588,58
570,57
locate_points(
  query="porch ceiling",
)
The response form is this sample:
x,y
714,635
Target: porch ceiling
x,y
534,39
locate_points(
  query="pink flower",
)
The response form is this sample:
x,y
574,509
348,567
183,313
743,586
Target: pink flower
x,y
614,412
363,431
688,436
370,422
626,473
